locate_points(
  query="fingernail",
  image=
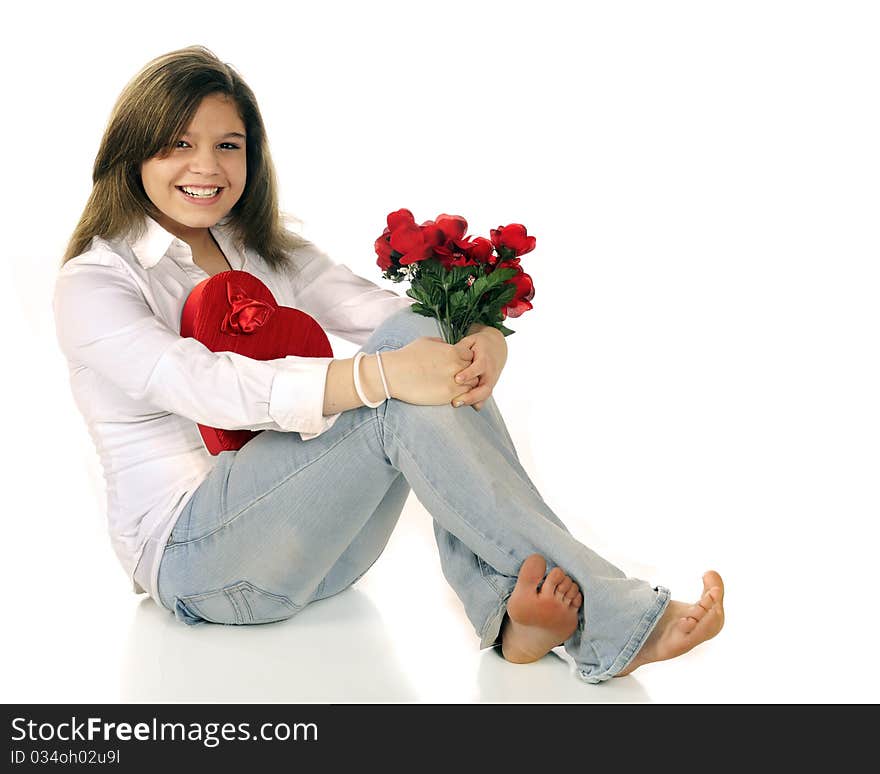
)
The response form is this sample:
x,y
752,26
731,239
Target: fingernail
x,y
459,379
457,403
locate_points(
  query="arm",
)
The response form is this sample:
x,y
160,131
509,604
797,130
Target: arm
x,y
340,394
343,303
351,307
104,324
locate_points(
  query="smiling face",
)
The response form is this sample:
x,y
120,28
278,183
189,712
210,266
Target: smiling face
x,y
210,155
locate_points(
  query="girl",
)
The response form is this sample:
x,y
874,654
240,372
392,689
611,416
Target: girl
x,y
184,188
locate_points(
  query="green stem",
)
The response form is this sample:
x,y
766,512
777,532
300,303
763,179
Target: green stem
x,y
440,322
450,336
467,323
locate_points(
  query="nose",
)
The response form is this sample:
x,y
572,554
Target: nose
x,y
204,161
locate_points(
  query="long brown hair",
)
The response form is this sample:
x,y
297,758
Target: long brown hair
x,y
150,114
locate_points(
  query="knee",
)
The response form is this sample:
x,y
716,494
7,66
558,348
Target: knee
x,y
400,329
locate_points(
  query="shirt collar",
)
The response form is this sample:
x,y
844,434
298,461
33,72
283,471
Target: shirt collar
x,y
156,242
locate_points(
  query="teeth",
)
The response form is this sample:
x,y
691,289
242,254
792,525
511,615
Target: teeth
x,y
204,193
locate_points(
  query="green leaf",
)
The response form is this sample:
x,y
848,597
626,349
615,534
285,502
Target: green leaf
x,y
477,289
502,275
501,296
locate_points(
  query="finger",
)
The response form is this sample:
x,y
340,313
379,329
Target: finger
x,y
471,397
465,349
471,374
469,386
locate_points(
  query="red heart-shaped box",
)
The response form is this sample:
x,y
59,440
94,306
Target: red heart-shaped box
x,y
233,311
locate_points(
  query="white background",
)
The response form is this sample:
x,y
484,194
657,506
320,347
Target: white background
x,y
697,384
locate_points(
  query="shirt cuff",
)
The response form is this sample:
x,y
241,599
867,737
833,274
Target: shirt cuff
x,y
326,425
296,401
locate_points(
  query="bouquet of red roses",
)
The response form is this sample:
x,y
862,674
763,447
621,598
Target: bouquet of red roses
x,y
460,280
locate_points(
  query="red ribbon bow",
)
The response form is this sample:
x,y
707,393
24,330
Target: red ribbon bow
x,y
246,314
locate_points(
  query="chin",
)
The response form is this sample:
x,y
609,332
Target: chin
x,y
207,220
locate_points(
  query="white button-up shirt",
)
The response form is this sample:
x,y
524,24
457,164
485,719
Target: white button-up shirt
x,y
141,387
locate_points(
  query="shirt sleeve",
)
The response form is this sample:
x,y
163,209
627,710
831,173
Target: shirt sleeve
x,y
104,323
342,302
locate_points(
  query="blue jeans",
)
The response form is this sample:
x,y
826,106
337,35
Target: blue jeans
x,y
283,522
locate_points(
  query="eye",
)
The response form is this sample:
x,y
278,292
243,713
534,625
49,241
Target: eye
x,y
229,145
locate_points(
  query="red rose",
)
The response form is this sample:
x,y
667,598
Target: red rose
x,y
451,247
383,250
409,241
461,252
413,243
525,290
452,226
512,237
432,233
400,218
481,251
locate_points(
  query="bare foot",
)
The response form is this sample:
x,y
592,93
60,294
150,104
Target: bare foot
x,y
538,621
683,626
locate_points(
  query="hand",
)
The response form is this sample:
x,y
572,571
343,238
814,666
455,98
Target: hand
x,y
423,371
490,355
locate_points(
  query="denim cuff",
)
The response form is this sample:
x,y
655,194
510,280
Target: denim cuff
x,y
637,639
491,634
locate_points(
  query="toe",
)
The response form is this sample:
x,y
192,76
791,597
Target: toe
x,y
713,597
532,570
698,610
564,586
572,592
707,602
712,580
554,578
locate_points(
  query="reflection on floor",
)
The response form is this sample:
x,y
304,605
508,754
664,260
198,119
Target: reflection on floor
x,y
398,636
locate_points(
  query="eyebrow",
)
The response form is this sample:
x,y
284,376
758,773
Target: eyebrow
x,y
222,137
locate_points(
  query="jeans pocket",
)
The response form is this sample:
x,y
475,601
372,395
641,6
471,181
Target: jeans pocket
x,y
239,603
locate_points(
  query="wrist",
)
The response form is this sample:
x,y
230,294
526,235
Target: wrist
x,y
371,378
390,364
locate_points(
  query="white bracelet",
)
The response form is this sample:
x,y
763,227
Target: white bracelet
x,y
382,374
357,380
